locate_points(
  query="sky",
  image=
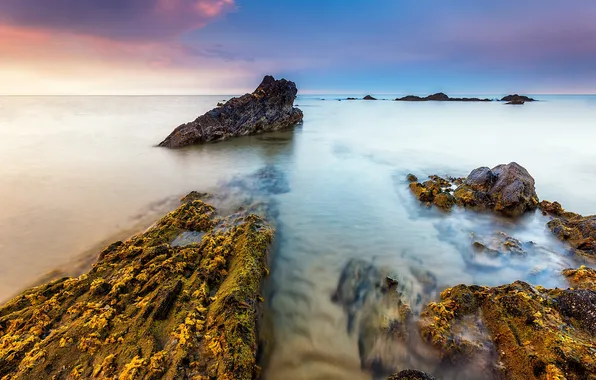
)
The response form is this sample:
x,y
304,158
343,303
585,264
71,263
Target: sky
x,y
326,46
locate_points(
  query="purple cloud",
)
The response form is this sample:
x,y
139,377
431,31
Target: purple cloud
x,y
114,19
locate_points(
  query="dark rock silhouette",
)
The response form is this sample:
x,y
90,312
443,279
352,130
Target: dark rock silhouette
x,y
515,99
439,97
270,107
368,97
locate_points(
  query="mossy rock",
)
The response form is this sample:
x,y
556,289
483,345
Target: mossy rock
x,y
537,333
147,309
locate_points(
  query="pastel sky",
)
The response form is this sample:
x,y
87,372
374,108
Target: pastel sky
x,y
326,46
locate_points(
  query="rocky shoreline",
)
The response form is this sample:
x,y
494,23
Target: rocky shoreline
x,y
442,97
181,300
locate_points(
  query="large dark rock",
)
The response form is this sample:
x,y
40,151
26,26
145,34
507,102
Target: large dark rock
x,y
270,107
507,189
515,99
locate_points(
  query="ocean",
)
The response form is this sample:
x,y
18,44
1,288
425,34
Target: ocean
x,y
77,173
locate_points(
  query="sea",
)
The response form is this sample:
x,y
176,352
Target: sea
x,y
79,172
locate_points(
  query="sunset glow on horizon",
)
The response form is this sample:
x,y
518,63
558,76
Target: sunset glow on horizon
x,y
226,46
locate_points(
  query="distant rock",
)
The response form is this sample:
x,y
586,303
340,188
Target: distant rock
x,y
516,102
515,99
368,97
268,108
439,97
351,99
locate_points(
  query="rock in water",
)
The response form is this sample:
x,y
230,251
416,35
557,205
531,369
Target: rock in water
x,y
148,309
507,189
269,108
517,99
577,230
368,97
538,333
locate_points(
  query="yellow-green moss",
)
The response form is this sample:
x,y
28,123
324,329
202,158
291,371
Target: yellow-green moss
x,y
535,336
148,310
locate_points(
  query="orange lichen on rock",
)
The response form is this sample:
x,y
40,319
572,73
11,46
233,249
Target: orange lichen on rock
x,y
148,309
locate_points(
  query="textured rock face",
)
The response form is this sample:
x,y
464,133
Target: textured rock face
x,y
538,333
270,107
507,189
148,309
578,231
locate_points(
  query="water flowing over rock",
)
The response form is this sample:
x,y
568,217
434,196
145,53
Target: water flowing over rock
x,y
149,309
269,108
538,333
578,231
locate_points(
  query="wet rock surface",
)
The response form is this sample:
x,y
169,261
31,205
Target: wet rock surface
x,y
269,108
537,333
380,311
148,308
576,230
411,374
506,189
441,97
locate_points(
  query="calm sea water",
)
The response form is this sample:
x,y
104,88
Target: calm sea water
x,y
79,172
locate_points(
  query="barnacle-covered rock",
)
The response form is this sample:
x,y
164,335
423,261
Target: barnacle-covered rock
x,y
148,309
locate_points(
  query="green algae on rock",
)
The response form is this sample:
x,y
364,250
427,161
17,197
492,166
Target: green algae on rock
x,y
577,230
505,189
148,309
537,333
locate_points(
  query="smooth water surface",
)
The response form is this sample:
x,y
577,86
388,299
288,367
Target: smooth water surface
x,y
78,172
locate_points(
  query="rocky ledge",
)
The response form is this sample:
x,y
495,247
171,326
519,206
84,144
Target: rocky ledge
x,y
577,230
507,189
180,300
440,97
514,331
269,108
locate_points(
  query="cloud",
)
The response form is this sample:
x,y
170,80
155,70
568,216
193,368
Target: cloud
x,y
114,19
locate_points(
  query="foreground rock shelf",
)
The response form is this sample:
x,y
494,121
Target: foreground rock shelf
x,y
269,108
149,308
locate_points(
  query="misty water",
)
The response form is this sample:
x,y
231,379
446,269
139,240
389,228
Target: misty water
x,y
77,173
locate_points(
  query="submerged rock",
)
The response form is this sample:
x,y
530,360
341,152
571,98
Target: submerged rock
x,y
380,313
517,99
268,108
411,374
537,333
149,308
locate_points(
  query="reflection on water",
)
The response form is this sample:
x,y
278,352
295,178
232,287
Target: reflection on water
x,y
77,172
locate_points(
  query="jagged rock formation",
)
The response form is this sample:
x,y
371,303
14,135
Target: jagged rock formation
x,y
578,231
180,300
440,97
269,108
506,189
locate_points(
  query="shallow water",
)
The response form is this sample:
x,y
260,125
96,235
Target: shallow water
x,y
79,171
